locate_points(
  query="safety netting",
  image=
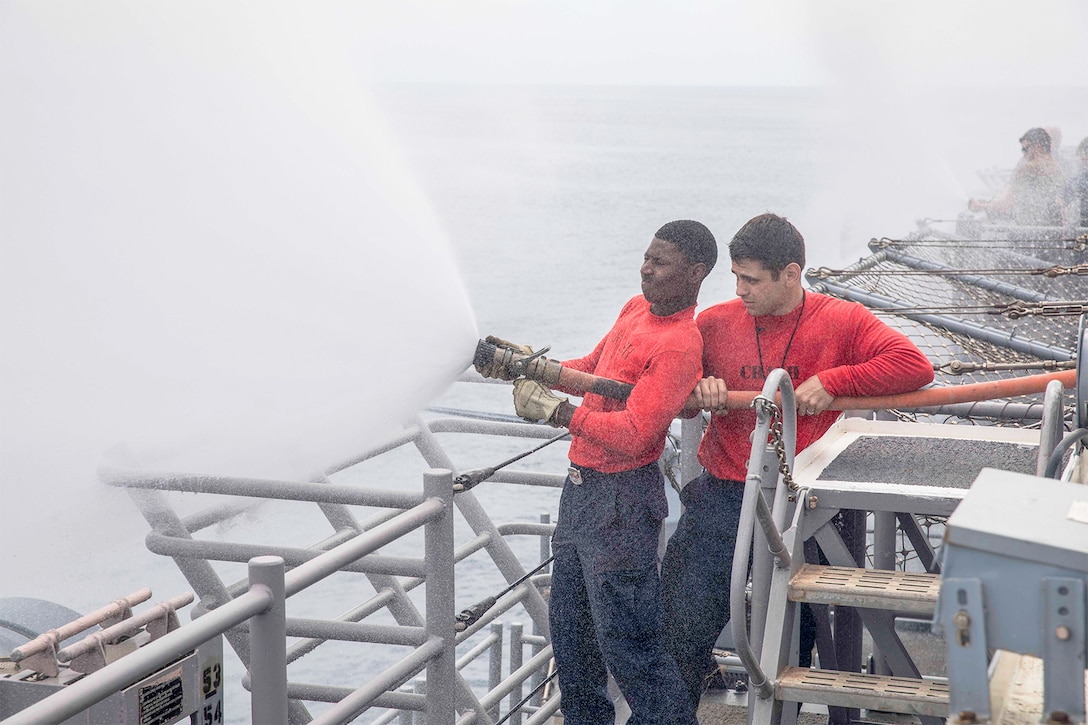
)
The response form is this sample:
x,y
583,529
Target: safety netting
x,y
983,302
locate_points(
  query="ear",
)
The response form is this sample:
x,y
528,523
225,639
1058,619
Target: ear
x,y
792,272
698,272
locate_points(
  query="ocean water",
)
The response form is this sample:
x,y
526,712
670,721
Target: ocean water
x,y
549,196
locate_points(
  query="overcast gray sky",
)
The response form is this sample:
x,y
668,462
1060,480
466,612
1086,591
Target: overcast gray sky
x,y
731,42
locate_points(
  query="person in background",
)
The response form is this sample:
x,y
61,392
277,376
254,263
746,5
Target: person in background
x,y
605,603
1066,160
1029,197
1073,198
830,348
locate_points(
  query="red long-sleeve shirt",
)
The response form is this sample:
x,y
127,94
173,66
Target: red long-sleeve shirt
x,y
660,356
853,352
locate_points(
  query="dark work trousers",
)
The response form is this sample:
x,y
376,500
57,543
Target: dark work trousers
x,y
605,605
695,575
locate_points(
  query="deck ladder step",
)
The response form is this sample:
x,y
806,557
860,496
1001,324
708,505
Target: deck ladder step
x,y
898,591
871,692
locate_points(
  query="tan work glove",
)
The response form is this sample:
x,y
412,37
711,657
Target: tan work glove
x,y
496,369
534,402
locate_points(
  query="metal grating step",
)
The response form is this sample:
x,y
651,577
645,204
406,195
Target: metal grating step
x,y
871,692
897,591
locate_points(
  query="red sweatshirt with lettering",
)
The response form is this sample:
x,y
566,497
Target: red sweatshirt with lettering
x,y
853,353
661,357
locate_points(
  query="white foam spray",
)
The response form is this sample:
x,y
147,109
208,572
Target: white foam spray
x,y
214,258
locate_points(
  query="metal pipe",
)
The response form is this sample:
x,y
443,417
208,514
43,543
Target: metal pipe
x,y
985,409
518,674
517,660
975,280
691,432
97,686
204,580
117,609
476,517
324,630
778,381
953,324
883,558
547,528
519,429
123,628
333,560
260,488
469,479
267,637
391,678
487,644
377,602
217,514
504,604
494,665
1055,459
397,699
466,617
1050,434
441,669
238,552
403,438
545,713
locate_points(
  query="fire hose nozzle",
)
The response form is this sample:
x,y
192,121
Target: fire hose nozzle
x,y
533,366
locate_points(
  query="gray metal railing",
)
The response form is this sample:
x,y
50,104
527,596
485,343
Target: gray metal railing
x,y
95,687
263,606
226,607
772,522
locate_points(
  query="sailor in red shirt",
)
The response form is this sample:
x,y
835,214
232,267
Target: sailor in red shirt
x,y
605,605
830,348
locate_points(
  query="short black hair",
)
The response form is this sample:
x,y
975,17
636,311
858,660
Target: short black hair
x,y
770,239
1037,136
693,239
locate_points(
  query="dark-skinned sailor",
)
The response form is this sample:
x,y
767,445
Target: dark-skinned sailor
x,y
605,607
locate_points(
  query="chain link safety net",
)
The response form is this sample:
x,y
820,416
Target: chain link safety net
x,y
981,309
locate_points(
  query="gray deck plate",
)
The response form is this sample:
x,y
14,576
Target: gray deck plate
x,y
926,461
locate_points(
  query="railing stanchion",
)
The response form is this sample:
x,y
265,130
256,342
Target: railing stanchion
x,y
494,665
883,558
545,553
441,670
517,659
267,643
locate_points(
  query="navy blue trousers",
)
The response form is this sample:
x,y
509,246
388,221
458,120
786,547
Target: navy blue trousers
x,y
605,606
695,575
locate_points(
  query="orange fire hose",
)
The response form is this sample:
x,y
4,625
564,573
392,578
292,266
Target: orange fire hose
x,y
933,397
552,373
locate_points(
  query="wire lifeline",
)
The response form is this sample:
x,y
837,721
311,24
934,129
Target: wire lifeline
x,y
469,479
471,615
